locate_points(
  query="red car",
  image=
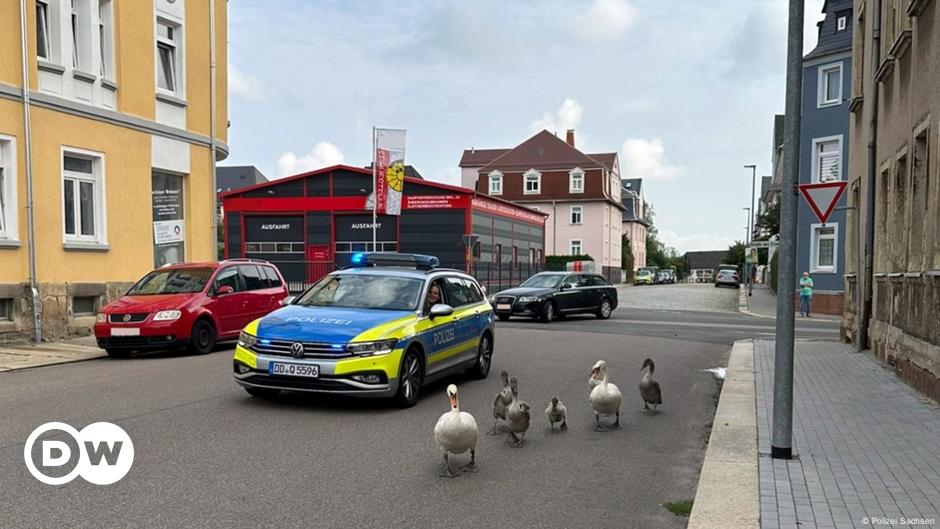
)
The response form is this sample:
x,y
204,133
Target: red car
x,y
190,305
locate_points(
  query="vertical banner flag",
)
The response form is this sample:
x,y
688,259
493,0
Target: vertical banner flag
x,y
389,170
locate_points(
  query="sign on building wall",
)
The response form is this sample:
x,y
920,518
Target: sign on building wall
x,y
168,223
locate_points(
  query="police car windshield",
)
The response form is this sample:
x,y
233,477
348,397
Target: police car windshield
x,y
173,281
363,291
543,281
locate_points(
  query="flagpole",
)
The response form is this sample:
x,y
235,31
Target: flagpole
x,y
375,191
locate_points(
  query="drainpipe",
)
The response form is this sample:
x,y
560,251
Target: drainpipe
x,y
554,229
865,317
212,132
31,230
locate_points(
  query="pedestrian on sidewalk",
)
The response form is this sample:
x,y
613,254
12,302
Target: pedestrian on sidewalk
x,y
806,294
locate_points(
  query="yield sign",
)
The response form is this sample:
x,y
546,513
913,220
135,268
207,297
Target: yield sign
x,y
822,198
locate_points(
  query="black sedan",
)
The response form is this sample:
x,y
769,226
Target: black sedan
x,y
548,295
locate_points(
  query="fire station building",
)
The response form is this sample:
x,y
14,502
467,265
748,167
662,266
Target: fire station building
x,y
311,223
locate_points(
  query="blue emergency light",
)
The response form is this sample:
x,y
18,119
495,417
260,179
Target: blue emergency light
x,y
407,260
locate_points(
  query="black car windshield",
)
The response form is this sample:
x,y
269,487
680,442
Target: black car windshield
x,y
543,281
172,281
363,291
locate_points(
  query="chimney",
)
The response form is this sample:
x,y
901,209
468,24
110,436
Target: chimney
x,y
570,137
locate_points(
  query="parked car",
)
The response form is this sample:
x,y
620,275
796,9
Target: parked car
x,y
384,327
672,275
727,277
643,277
547,295
662,277
189,305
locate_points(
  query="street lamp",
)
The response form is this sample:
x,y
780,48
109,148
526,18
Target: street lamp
x,y
750,221
747,228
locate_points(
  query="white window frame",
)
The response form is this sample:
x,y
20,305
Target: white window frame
x,y
571,245
823,85
105,36
177,55
100,236
814,248
532,175
576,175
496,183
579,210
42,27
841,24
8,222
815,158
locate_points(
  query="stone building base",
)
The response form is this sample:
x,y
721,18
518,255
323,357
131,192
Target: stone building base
x,y
57,314
831,303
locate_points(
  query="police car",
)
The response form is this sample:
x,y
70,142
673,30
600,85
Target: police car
x,y
383,327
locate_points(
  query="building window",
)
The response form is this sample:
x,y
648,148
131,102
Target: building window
x,y
105,39
496,183
841,24
830,85
74,26
575,247
827,159
6,309
7,188
83,197
84,305
576,180
533,182
576,214
168,55
823,257
42,30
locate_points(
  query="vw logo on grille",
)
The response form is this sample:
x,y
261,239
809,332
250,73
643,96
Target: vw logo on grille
x,y
297,350
127,318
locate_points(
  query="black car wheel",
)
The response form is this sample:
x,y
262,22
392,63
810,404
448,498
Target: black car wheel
x,y
202,340
484,357
548,312
604,309
263,393
503,317
118,353
409,379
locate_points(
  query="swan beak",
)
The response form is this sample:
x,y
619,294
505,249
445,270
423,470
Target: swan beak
x,y
453,401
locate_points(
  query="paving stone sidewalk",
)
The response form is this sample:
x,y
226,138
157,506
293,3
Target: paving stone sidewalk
x,y
867,446
22,356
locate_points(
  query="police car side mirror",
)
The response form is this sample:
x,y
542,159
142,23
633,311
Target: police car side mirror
x,y
441,310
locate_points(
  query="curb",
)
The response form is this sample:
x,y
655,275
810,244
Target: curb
x,y
744,308
48,354
727,496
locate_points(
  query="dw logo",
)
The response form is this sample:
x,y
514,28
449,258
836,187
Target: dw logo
x,y
104,451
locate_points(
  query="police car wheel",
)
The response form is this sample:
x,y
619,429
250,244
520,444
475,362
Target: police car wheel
x,y
484,357
263,393
409,380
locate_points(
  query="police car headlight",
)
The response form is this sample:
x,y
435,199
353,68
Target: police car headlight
x,y
167,315
380,347
246,340
528,299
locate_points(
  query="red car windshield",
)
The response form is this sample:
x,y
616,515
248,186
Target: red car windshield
x,y
172,281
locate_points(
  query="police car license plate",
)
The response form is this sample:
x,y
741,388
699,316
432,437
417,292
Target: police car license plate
x,y
294,370
504,306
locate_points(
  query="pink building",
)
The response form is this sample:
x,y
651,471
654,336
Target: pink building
x,y
580,192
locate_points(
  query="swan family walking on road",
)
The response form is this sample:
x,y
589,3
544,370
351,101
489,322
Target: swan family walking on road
x,y
456,431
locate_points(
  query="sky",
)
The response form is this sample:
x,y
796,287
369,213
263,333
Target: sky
x,y
685,90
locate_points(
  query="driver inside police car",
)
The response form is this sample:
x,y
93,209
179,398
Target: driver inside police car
x,y
433,297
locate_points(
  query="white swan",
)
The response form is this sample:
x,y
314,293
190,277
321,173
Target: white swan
x,y
556,412
517,416
456,432
605,397
503,400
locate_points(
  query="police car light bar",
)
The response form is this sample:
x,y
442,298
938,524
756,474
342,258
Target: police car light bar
x,y
421,262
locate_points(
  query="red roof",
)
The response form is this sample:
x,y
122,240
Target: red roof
x,y
544,151
606,158
480,157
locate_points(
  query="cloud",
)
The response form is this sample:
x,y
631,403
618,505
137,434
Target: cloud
x,y
606,20
245,86
695,242
323,154
568,116
644,158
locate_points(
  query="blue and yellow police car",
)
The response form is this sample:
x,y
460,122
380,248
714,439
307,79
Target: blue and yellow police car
x,y
383,327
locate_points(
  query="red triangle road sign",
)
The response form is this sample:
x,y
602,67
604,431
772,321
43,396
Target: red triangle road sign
x,y
822,198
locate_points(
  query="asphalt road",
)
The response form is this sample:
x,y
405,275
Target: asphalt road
x,y
208,455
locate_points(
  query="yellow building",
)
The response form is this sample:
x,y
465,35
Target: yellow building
x,y
113,142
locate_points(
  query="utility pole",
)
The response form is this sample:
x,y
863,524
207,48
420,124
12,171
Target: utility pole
x,y
781,446
750,222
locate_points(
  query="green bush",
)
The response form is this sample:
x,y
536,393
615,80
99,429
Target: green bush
x,y
773,272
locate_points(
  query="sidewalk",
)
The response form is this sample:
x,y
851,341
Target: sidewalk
x,y
866,446
20,356
762,302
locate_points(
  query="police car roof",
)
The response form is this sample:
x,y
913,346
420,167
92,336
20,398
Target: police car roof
x,y
400,271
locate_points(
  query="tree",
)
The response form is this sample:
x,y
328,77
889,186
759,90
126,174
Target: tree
x,y
735,254
627,260
768,222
